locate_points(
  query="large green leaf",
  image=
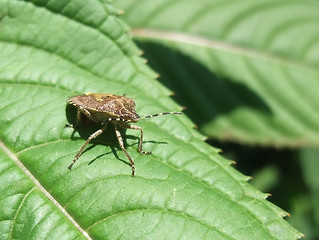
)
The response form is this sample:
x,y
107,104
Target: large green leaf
x,y
50,50
245,70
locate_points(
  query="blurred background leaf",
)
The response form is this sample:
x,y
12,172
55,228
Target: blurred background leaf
x,y
241,68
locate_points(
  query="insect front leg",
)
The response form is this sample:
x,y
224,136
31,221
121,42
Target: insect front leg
x,y
121,143
79,117
135,127
92,136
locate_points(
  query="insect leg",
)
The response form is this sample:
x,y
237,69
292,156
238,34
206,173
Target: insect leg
x,y
79,118
86,112
135,127
120,140
92,136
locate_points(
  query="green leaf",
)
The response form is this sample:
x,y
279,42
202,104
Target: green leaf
x,y
50,50
25,210
245,70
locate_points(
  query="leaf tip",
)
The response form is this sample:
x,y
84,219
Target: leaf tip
x,y
248,178
284,214
171,94
267,195
301,236
140,53
232,163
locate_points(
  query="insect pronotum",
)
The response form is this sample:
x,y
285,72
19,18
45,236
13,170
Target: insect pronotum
x,y
105,108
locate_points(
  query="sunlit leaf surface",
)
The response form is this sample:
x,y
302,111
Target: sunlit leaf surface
x,y
50,50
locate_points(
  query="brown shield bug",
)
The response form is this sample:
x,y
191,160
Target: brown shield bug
x,y
108,108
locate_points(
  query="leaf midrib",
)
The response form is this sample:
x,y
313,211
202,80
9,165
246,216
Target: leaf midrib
x,y
14,158
184,38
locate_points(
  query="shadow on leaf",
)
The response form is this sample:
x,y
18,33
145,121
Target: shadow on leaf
x,y
204,94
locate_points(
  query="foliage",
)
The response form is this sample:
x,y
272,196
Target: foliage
x,y
186,190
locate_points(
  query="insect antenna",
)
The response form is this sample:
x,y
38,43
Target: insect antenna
x,y
158,114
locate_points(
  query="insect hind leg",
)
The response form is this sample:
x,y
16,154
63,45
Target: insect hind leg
x,y
135,127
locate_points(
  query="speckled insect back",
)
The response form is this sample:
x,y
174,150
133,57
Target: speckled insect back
x,y
104,108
